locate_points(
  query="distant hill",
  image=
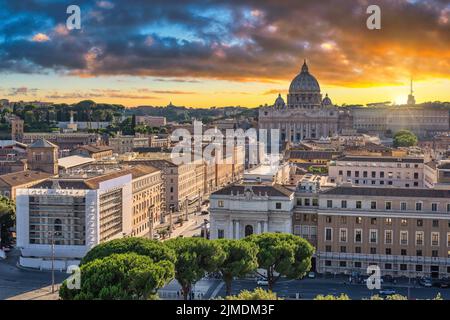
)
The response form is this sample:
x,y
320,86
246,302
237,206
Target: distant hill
x,y
181,114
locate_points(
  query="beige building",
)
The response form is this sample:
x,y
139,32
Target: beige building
x,y
423,121
406,232
94,151
401,172
151,121
148,199
183,184
122,144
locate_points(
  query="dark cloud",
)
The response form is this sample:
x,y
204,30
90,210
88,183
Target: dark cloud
x,y
245,40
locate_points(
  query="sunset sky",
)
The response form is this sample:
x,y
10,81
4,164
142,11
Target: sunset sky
x,y
203,53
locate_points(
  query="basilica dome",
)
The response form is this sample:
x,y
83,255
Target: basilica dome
x,y
304,82
279,102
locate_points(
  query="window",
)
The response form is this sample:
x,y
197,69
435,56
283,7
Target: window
x,y
403,252
349,173
434,253
358,250
373,250
356,174
315,202
328,263
342,264
434,207
382,174
343,220
373,236
435,223
329,203
358,220
358,235
340,172
388,236
418,253
327,248
388,221
358,204
404,222
418,206
448,239
419,267
403,267
373,205
365,174
220,233
404,238
299,201
419,222
403,206
388,266
374,174
388,205
307,202
328,234
435,238
419,238
388,251
278,205
357,264
343,249
220,203
343,235
448,207
344,204
373,221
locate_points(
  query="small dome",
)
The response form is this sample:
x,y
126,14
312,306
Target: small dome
x,y
279,102
304,82
327,101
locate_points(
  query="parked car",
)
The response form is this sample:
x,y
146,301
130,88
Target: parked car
x,y
443,283
426,282
311,275
387,292
262,282
204,212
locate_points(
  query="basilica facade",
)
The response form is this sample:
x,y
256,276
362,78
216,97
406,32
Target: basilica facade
x,y
306,115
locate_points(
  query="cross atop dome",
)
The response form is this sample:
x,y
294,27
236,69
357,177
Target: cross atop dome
x,y
305,67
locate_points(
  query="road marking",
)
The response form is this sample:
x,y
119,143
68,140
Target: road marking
x,y
216,291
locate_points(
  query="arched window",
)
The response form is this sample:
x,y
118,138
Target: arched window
x,y
248,230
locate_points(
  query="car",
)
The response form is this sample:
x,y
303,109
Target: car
x,y
262,282
156,236
311,275
443,283
387,292
204,212
425,282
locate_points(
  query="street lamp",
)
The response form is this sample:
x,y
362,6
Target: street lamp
x,y
52,240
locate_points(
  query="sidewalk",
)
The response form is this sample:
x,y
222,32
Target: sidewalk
x,y
44,293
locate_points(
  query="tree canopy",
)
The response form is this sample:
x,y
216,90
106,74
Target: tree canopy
x,y
405,138
240,259
282,254
7,219
126,276
195,257
257,294
146,247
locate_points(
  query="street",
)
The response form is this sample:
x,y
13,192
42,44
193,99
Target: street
x,y
15,281
310,288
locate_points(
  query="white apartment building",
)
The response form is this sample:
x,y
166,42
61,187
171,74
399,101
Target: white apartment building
x,y
400,172
241,210
73,214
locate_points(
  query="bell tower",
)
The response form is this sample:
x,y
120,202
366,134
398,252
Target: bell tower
x,y
42,155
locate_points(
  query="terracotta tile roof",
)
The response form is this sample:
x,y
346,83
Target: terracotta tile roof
x,y
23,177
